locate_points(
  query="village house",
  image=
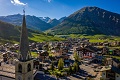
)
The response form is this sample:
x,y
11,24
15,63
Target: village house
x,y
98,57
43,55
111,72
117,52
86,52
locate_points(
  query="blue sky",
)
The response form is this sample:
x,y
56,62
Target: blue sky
x,y
54,8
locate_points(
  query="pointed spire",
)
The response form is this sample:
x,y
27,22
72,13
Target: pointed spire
x,y
24,43
24,11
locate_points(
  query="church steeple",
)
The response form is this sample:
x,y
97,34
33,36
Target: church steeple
x,y
24,54
24,64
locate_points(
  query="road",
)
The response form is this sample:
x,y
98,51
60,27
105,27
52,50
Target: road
x,y
90,71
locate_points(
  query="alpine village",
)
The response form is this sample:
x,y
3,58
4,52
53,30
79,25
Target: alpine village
x,y
82,46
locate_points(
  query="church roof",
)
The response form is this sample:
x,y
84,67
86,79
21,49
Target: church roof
x,y
6,78
24,43
115,69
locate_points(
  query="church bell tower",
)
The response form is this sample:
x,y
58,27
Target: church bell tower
x,y
24,65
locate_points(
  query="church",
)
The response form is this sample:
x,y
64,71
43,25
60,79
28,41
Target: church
x,y
24,65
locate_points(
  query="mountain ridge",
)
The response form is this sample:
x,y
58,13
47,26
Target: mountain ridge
x,y
33,22
12,33
90,20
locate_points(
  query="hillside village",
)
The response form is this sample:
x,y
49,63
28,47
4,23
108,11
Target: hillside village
x,y
80,59
44,45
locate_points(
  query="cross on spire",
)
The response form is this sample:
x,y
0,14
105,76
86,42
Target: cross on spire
x,y
24,10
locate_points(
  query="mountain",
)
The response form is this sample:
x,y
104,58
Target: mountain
x,y
54,22
12,33
61,19
45,19
90,20
7,31
33,22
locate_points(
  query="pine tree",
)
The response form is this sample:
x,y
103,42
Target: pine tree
x,y
76,67
60,64
76,57
52,66
70,69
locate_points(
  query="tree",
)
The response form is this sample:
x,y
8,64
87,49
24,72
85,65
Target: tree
x,y
76,67
104,61
46,47
76,57
60,64
52,66
70,69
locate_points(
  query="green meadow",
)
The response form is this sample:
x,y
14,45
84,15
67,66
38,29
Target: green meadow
x,y
94,38
40,37
34,38
44,38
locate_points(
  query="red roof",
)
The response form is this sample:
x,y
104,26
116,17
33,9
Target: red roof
x,y
87,57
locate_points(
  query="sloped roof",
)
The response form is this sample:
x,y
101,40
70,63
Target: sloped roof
x,y
115,69
40,76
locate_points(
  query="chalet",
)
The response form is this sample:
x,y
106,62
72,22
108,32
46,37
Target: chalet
x,y
44,55
86,52
98,57
117,52
2,48
105,50
111,72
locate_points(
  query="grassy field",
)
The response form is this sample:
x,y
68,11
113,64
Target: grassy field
x,y
111,48
35,38
42,38
94,38
3,41
34,54
117,57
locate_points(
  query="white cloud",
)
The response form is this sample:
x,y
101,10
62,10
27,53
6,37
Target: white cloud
x,y
17,2
49,1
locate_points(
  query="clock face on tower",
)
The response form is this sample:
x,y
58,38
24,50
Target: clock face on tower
x,y
19,78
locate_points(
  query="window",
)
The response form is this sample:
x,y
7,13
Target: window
x,y
29,67
20,68
29,78
103,73
19,78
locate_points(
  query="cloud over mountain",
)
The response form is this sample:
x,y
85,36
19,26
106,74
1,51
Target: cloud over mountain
x,y
17,2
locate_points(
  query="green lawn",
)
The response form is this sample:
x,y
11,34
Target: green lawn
x,y
42,38
118,47
58,71
4,41
34,54
35,37
50,54
117,57
94,38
